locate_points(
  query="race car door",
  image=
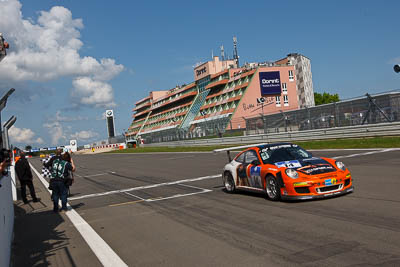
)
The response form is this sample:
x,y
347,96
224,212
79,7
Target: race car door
x,y
253,171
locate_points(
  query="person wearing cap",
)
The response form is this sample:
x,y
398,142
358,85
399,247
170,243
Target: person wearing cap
x,y
24,173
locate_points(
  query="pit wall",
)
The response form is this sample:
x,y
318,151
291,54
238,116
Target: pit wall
x,y
6,220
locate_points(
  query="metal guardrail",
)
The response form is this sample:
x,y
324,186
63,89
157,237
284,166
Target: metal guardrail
x,y
371,130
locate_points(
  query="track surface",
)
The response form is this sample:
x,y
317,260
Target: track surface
x,y
195,223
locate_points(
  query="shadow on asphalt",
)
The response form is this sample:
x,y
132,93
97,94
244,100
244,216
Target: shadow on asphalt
x,y
37,239
262,195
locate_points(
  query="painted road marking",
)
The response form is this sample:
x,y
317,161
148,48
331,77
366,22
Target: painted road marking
x,y
92,175
134,195
146,187
126,203
177,158
203,190
100,248
367,153
179,195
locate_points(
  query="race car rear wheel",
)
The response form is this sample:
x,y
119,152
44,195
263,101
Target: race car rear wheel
x,y
273,188
229,183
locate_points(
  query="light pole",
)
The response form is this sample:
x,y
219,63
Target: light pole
x,y
7,126
396,68
3,103
204,113
261,101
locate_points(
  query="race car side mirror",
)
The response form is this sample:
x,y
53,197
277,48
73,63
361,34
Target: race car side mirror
x,y
255,162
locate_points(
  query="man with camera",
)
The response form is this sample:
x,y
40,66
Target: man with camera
x,y
24,173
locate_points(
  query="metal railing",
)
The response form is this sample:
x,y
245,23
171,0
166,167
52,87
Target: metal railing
x,y
364,110
372,130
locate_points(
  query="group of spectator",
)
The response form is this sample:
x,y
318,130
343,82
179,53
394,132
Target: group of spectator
x,y
60,167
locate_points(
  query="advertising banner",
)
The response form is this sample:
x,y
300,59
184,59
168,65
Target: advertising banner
x,y
270,83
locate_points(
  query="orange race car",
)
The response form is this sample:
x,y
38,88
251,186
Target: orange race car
x,y
285,171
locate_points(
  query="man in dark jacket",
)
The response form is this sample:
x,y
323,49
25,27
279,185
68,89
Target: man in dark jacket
x,y
24,173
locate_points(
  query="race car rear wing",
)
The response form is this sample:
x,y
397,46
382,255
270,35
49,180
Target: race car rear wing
x,y
229,149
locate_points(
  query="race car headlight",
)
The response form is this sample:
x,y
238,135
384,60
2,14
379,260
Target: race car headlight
x,y
340,165
292,173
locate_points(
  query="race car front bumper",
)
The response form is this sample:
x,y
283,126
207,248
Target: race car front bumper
x,y
332,194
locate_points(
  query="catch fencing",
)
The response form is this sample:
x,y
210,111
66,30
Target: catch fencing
x,y
358,111
364,110
372,130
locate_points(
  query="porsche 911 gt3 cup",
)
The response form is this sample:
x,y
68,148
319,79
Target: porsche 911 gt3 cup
x,y
285,171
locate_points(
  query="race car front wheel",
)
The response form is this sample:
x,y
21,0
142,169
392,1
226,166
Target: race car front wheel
x,y
273,189
229,183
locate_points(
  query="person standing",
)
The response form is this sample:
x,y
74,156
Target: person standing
x,y
60,172
24,173
48,164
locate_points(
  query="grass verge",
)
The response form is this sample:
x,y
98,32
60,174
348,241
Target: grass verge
x,y
375,142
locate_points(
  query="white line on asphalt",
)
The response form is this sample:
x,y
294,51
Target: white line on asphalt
x,y
100,248
345,149
132,195
177,158
367,153
178,195
145,187
92,175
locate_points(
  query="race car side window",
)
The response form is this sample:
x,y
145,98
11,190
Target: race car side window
x,y
250,156
240,158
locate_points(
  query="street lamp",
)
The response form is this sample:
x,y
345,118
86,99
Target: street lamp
x,y
3,103
7,126
396,68
3,100
204,114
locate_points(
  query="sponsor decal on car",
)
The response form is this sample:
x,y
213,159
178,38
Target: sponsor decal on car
x,y
277,147
302,184
312,169
255,171
288,164
330,181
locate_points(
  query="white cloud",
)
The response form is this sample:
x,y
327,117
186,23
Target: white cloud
x,y
49,49
60,118
23,135
395,60
91,92
56,132
84,135
102,117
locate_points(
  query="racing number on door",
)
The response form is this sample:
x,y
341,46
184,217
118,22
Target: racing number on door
x,y
253,172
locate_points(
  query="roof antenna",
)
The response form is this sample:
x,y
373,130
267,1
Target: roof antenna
x,y
235,52
222,53
212,53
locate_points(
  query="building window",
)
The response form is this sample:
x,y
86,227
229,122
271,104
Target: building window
x,y
291,77
285,100
278,101
284,88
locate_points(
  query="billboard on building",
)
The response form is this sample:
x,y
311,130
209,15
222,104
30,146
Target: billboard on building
x,y
270,83
110,123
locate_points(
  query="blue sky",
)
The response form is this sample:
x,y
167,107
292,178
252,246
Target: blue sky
x,y
152,45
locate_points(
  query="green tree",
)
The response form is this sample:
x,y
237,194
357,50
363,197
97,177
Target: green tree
x,y
28,147
325,98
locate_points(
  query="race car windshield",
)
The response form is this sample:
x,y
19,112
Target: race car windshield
x,y
283,154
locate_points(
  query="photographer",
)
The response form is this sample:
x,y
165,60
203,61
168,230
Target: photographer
x,y
24,173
